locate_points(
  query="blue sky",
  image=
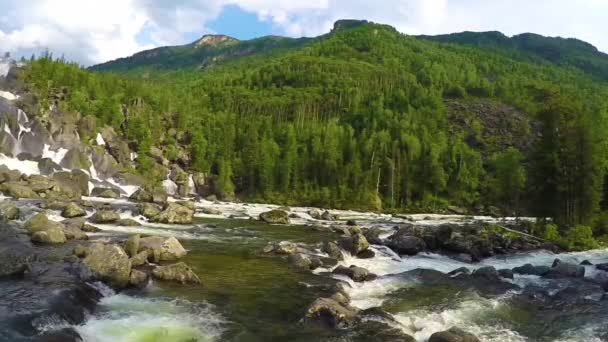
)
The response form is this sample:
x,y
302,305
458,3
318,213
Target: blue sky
x,y
94,31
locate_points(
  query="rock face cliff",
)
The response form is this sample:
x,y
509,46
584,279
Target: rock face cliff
x,y
48,140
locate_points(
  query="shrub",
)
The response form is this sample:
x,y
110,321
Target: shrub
x,y
580,238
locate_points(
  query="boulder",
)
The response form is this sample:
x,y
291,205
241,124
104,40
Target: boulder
x,y
8,211
138,278
506,273
74,233
51,235
8,175
75,180
105,192
281,248
275,217
487,272
174,214
104,216
565,270
332,250
148,210
141,195
332,313
453,335
162,248
40,222
109,263
315,214
40,183
179,272
76,158
373,236
358,274
300,261
327,216
72,210
139,259
355,244
80,251
529,269
90,229
16,255
127,222
403,242
131,246
18,190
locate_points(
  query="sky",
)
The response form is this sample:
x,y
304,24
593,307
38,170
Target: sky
x,y
93,31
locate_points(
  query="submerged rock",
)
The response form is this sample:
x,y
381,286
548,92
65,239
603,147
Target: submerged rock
x,y
109,263
275,217
530,269
179,272
453,335
162,248
358,274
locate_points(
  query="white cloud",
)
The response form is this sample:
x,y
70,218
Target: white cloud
x,y
92,31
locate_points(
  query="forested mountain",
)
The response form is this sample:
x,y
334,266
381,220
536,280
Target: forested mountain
x,y
535,48
361,117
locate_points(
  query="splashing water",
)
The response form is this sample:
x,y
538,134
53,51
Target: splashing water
x,y
132,319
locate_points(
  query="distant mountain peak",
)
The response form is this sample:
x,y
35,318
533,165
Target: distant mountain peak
x,y
343,24
214,40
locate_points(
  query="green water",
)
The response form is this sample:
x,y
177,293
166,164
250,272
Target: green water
x,y
262,297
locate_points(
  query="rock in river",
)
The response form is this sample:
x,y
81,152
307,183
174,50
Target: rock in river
x,y
105,216
175,214
179,272
109,263
453,335
332,313
162,248
73,210
275,217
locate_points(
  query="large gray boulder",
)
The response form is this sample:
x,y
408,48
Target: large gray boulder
x,y
40,222
108,263
162,248
179,272
175,214
355,244
562,269
47,166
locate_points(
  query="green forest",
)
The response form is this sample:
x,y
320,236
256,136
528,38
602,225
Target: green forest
x,y
364,118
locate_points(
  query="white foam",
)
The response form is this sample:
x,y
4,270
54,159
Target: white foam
x,y
467,315
26,167
125,318
55,155
99,139
170,187
5,67
8,95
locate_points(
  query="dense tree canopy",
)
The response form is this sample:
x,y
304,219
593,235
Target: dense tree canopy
x,y
359,118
